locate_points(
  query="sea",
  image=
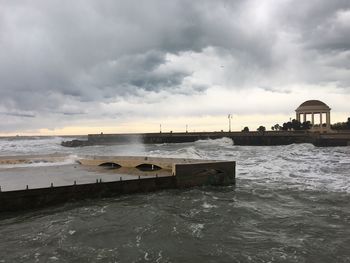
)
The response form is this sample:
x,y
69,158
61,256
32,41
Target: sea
x,y
290,204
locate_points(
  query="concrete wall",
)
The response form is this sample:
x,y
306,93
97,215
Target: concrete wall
x,y
221,173
239,138
184,175
36,198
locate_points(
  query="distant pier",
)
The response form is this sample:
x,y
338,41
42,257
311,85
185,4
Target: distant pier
x,y
239,138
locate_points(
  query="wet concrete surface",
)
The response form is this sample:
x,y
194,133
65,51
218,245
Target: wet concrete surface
x,y
63,175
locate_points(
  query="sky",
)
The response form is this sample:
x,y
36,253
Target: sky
x,y
84,66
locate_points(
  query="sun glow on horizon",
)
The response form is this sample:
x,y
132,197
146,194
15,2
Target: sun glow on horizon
x,y
206,123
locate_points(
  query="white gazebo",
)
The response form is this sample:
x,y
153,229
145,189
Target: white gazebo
x,y
315,107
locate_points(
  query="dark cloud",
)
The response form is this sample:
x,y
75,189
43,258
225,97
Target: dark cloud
x,y
323,25
25,115
125,75
73,113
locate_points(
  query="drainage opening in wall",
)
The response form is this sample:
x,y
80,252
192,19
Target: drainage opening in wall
x,y
148,167
110,165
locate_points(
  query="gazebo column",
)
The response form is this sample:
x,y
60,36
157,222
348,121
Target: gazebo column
x,y
298,116
321,122
328,120
312,119
304,117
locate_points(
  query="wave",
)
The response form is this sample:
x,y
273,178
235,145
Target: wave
x,y
30,145
222,142
301,166
8,162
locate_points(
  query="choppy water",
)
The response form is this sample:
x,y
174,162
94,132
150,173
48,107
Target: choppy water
x,y
290,204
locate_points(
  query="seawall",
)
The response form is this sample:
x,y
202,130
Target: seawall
x,y
183,174
36,198
239,138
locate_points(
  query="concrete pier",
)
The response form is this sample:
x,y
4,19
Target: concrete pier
x,y
239,138
135,175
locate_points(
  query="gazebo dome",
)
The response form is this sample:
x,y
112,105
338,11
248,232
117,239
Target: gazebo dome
x,y
313,105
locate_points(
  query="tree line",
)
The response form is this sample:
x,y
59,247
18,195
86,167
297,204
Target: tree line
x,y
341,125
295,125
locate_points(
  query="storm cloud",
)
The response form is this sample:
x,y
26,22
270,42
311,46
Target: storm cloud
x,y
63,61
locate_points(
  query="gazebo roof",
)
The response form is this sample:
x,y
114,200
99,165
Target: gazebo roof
x,y
313,105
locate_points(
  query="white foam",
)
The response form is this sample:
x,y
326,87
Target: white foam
x,y
42,162
30,145
208,206
301,166
222,142
196,229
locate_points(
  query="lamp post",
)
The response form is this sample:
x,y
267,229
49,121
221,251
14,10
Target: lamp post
x,y
160,128
229,122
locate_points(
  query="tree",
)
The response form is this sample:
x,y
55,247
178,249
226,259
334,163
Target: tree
x,y
306,125
296,125
287,126
341,125
245,129
261,129
293,125
273,128
338,126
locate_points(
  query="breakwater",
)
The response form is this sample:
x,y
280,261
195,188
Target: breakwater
x,y
20,200
239,138
144,174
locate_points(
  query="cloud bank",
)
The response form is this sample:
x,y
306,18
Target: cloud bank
x,y
64,62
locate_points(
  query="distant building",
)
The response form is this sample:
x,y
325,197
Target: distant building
x,y
315,107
